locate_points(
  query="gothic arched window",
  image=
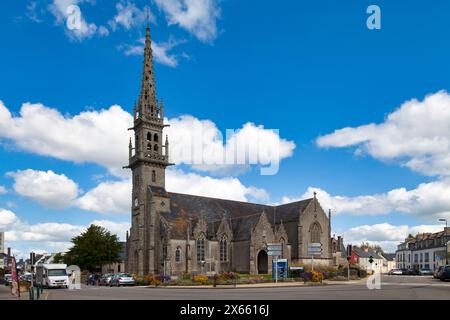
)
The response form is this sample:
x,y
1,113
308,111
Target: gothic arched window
x,y
149,136
153,176
155,137
178,255
315,231
165,255
149,147
200,249
223,249
155,147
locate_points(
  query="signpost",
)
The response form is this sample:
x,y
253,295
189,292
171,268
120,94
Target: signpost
x,y
275,250
349,257
314,249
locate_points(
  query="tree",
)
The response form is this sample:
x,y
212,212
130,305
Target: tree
x,y
58,258
375,247
93,248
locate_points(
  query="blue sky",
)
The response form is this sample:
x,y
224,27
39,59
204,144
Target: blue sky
x,y
304,68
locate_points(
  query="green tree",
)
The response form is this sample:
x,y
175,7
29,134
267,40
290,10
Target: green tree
x,y
93,248
58,258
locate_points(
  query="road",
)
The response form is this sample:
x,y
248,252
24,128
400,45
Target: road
x,y
392,287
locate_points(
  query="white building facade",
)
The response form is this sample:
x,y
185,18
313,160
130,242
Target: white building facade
x,y
424,251
2,242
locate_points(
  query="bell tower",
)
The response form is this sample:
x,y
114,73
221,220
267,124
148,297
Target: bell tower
x,y
148,160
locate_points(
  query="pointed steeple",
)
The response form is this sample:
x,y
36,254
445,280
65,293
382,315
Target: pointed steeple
x,y
148,103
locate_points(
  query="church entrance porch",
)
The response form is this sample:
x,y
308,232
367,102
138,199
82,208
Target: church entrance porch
x,y
263,262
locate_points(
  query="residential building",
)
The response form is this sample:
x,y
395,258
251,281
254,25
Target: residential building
x,y
364,255
2,242
388,262
339,252
425,250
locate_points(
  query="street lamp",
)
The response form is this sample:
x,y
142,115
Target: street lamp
x,y
446,244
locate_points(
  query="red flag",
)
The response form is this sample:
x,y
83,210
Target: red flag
x,y
15,278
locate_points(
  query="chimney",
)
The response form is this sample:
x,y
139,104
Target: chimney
x,y
9,252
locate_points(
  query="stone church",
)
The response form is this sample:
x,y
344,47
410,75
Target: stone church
x,y
176,233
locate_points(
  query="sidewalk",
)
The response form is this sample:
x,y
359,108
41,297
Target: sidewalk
x,y
5,294
264,285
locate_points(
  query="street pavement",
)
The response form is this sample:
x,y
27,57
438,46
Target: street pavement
x,y
392,288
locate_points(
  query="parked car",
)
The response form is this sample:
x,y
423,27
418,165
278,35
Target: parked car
x,y
404,271
425,272
106,279
8,279
445,273
437,272
412,272
122,279
396,272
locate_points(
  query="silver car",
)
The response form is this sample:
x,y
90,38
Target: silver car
x,y
122,279
397,272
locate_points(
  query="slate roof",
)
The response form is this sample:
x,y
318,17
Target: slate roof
x,y
362,254
389,256
159,191
242,215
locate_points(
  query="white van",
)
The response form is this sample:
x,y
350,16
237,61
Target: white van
x,y
52,275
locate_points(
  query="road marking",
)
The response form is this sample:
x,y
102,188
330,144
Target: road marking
x,y
416,284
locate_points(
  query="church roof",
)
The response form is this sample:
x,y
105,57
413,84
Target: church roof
x,y
243,216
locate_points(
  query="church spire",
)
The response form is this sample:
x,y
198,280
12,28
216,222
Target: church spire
x,y
148,105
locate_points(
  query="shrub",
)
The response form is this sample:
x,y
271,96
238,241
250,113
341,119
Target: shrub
x,y
141,281
316,276
224,276
200,279
186,276
362,273
307,276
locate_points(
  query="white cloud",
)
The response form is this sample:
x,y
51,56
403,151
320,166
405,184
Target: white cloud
x,y
118,228
201,144
108,198
87,30
129,15
7,219
428,201
417,135
115,197
48,236
198,17
92,136
45,187
33,12
161,51
102,137
103,31
224,188
2,190
384,234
